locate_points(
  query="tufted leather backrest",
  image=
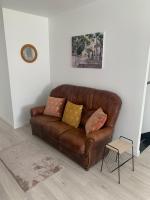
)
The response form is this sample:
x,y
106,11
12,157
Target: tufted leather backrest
x,y
91,99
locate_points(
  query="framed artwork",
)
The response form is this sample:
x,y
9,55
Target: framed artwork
x,y
87,50
28,53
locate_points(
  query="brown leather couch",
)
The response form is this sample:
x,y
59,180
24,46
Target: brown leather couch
x,y
85,150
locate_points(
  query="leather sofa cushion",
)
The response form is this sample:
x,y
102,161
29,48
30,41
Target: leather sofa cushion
x,y
91,99
74,140
55,129
86,114
42,120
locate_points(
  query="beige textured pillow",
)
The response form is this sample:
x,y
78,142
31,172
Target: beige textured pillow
x,y
96,121
54,106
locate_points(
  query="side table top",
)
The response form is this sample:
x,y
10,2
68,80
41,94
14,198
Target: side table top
x,y
119,144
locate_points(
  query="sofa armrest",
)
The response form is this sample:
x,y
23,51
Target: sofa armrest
x,y
102,135
37,111
96,140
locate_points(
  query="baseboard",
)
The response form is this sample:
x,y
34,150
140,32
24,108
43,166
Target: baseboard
x,y
20,124
138,153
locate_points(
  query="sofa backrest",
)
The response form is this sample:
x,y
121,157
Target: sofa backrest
x,y
91,99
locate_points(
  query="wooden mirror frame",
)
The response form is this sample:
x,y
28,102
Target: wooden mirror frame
x,y
34,49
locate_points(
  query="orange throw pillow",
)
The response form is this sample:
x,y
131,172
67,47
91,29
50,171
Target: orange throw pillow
x,y
54,106
96,121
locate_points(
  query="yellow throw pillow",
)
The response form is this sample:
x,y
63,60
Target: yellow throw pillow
x,y
72,114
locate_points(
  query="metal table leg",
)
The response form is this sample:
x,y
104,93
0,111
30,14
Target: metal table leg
x,y
103,158
118,168
132,158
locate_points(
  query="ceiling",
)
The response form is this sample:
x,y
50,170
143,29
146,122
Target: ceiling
x,y
44,7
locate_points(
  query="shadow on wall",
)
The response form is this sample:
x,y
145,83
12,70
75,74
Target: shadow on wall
x,y
24,116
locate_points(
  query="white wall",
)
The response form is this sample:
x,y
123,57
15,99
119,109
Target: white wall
x,y
29,82
127,38
5,96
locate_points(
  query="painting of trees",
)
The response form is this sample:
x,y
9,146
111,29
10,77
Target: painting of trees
x,y
87,50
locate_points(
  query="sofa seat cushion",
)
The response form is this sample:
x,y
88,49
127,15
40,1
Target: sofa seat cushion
x,y
73,140
42,120
54,129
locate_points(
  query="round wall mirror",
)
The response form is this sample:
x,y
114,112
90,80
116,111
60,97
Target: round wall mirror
x,y
29,53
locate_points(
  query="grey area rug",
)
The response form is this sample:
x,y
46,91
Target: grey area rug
x,y
30,163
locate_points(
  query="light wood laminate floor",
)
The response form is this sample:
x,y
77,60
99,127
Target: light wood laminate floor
x,y
73,182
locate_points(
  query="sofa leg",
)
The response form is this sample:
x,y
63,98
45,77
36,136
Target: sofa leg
x,y
87,168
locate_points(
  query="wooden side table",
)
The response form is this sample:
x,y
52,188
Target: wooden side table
x,y
119,146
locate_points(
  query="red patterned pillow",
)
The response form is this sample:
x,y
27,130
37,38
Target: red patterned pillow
x,y
96,121
54,106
